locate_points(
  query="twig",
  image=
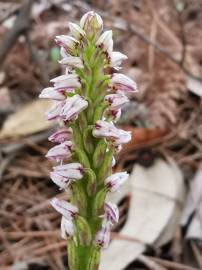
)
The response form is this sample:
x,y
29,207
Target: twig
x,y
21,25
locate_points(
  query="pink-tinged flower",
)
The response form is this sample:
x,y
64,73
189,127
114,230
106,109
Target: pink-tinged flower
x,y
73,106
116,101
52,93
55,110
64,82
69,43
110,132
67,228
72,61
116,59
66,209
92,23
105,41
76,31
102,237
61,135
120,82
111,212
116,180
63,175
61,151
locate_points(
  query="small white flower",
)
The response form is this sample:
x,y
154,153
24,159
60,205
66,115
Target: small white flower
x,y
64,175
52,93
73,106
116,101
69,43
120,82
61,151
76,31
116,59
116,180
65,82
105,41
66,209
110,132
67,228
61,135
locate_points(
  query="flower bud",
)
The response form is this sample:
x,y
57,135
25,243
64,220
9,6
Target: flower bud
x,y
116,59
116,180
120,82
110,132
61,135
66,209
61,151
69,43
83,230
76,31
102,238
67,228
51,93
105,42
66,83
54,112
91,23
73,106
111,212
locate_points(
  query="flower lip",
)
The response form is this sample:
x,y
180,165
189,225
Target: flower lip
x,y
55,111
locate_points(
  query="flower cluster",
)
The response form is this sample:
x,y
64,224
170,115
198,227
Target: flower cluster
x,y
87,101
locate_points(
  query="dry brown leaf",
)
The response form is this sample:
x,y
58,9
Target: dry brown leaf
x,y
28,120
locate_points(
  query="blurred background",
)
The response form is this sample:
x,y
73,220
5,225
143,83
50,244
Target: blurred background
x,y
160,226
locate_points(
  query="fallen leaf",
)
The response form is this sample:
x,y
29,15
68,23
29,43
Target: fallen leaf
x,y
156,197
28,120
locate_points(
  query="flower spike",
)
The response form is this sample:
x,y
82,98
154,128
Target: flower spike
x,y
88,99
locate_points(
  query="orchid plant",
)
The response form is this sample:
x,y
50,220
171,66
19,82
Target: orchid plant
x,y
87,102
